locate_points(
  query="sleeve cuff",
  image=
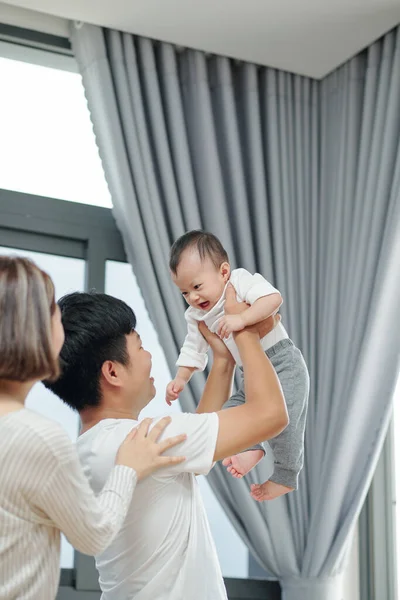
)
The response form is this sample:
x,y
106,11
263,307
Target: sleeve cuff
x,y
195,360
212,436
121,483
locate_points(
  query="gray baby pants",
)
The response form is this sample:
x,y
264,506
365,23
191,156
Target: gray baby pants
x,y
288,446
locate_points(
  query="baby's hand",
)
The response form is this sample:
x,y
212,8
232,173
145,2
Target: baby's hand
x,y
174,388
230,323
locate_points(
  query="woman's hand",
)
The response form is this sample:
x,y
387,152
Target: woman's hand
x,y
142,451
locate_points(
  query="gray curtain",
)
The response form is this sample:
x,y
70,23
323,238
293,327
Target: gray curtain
x,y
301,181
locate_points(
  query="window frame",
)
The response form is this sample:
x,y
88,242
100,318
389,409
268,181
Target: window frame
x,y
31,38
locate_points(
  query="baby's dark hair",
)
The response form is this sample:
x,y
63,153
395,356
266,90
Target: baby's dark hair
x,y
206,244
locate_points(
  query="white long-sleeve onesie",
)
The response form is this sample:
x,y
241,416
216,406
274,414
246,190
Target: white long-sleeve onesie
x,y
249,288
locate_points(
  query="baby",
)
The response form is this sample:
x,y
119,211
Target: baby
x,y
200,268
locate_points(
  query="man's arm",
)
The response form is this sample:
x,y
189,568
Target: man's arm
x,y
218,387
216,435
264,414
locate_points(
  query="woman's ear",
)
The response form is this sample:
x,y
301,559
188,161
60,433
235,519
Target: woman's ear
x,y
225,270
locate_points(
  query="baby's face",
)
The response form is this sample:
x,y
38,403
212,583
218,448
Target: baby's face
x,y
199,281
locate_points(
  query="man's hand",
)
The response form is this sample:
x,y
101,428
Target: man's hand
x,y
216,344
234,308
266,326
228,324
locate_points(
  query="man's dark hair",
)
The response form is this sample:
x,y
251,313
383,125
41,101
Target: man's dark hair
x,y
206,244
96,326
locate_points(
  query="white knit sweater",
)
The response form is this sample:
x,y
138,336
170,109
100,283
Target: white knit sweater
x,y
43,491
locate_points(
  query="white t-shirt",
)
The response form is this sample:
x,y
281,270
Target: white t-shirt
x,y
249,288
164,550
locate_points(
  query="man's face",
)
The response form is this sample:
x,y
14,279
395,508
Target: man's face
x,y
138,383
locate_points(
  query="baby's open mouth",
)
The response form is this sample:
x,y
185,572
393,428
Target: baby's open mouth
x,y
204,305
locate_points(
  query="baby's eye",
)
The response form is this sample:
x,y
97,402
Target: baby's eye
x,y
196,287
184,294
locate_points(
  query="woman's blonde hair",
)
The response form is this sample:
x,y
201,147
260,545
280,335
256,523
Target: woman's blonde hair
x,y
27,304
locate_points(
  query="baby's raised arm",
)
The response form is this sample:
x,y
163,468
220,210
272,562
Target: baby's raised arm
x,y
177,385
193,357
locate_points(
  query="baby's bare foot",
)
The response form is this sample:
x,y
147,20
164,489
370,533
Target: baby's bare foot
x,y
240,464
268,491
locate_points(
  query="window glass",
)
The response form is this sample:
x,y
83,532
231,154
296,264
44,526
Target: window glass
x,y
47,144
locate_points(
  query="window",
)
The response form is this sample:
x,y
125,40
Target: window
x,y
47,144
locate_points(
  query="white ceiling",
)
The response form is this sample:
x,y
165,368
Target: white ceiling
x,y
309,37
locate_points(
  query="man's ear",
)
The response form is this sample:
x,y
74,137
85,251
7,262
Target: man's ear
x,y
225,270
110,372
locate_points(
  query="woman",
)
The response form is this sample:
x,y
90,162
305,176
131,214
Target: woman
x,y
42,488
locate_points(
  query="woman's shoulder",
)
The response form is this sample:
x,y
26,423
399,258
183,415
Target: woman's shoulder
x,y
42,435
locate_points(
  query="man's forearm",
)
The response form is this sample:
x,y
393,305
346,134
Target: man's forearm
x,y
262,387
218,387
263,415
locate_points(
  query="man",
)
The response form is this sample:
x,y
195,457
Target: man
x,y
164,550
